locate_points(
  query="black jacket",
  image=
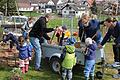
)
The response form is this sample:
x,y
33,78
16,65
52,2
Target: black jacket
x,y
40,29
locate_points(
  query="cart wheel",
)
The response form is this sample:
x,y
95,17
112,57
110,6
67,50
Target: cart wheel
x,y
99,75
55,64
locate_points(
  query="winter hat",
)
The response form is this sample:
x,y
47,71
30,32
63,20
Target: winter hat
x,y
64,27
6,30
88,41
71,41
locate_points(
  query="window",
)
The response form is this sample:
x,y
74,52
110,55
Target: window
x,y
64,11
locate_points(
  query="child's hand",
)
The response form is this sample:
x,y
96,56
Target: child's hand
x,y
83,49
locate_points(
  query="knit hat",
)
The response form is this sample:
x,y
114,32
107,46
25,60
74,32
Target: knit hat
x,y
64,27
88,41
71,41
6,30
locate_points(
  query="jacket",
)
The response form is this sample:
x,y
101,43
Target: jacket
x,y
92,29
69,58
11,37
40,29
25,51
91,52
115,32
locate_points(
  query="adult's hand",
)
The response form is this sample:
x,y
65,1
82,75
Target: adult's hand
x,y
48,41
100,46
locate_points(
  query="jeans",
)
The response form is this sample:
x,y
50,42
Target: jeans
x,y
116,51
89,68
37,47
25,34
66,74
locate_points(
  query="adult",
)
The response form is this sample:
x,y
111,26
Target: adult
x,y
27,27
39,31
90,27
113,30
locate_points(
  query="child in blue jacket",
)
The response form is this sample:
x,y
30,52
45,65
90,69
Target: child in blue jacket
x,y
25,51
90,56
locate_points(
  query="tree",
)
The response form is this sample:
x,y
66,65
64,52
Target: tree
x,y
94,7
8,7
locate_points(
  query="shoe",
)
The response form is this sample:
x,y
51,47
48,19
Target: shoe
x,y
116,76
39,69
116,64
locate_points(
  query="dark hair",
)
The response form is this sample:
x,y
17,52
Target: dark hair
x,y
109,19
21,40
47,15
30,18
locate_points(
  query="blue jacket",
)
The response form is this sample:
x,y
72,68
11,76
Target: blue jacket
x,y
11,37
91,30
115,32
91,52
25,51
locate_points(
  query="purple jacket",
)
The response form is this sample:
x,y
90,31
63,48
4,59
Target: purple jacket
x,y
91,52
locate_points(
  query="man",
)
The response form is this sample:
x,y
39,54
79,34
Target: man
x,y
38,34
113,30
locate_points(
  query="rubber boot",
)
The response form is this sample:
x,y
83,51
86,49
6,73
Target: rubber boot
x,y
91,77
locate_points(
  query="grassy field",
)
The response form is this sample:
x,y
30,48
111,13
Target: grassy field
x,y
47,74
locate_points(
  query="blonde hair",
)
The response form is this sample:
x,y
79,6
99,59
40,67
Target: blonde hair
x,y
93,16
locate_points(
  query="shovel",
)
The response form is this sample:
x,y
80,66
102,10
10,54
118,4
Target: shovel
x,y
53,35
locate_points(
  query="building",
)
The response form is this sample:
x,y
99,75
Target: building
x,y
72,9
24,5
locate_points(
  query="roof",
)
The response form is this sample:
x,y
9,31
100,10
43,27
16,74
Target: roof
x,y
23,3
76,7
41,1
55,1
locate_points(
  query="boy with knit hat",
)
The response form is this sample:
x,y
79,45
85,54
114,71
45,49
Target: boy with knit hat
x,y
90,55
68,59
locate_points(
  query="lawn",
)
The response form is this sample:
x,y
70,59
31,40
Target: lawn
x,y
47,74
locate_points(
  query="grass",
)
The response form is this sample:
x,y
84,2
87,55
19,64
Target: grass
x,y
47,74
62,21
31,14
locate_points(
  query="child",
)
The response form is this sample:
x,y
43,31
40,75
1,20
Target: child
x,y
68,59
62,34
90,56
25,51
10,36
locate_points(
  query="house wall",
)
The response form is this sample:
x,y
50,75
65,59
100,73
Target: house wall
x,y
42,5
79,14
26,9
65,12
48,10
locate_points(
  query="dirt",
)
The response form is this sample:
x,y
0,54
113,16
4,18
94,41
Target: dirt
x,y
8,57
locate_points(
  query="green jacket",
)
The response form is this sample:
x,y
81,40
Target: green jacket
x,y
70,59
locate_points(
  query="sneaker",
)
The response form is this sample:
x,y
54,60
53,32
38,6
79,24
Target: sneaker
x,y
116,64
116,76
